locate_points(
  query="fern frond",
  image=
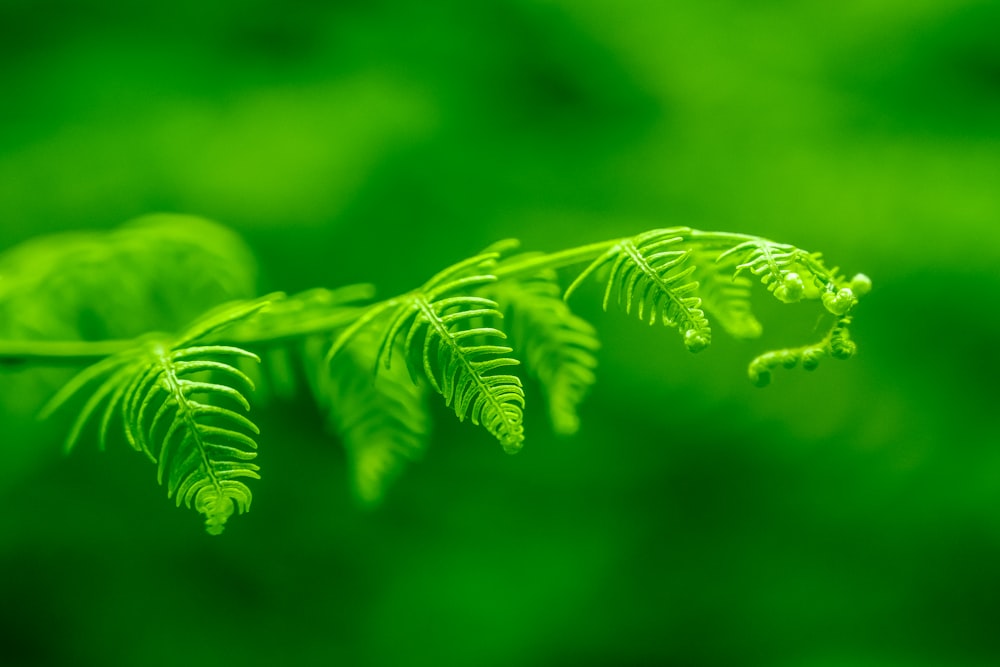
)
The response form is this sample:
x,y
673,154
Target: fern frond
x,y
382,420
793,274
788,272
204,446
558,346
183,406
445,343
651,274
778,265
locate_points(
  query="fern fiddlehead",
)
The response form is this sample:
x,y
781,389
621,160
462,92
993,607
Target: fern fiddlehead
x,y
837,344
774,263
791,275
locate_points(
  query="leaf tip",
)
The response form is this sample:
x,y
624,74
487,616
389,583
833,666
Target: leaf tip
x,y
513,447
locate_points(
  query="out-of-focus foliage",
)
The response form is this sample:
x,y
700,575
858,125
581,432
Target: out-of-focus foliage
x,y
695,520
558,346
382,420
156,273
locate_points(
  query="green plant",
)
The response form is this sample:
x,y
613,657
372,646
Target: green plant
x,y
181,397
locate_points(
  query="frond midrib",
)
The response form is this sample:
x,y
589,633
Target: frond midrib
x,y
188,414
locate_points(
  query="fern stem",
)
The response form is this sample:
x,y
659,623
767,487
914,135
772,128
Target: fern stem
x,y
533,264
75,352
53,352
336,320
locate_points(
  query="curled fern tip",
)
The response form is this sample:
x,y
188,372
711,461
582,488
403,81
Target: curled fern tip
x,y
695,340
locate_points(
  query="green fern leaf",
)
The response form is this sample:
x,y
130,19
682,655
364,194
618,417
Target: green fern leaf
x,y
779,266
382,420
558,346
184,408
187,423
652,274
444,344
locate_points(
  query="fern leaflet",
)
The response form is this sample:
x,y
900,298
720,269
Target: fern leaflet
x,y
778,265
176,401
651,273
443,343
558,346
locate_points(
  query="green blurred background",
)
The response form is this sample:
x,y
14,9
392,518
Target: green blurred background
x,y
848,517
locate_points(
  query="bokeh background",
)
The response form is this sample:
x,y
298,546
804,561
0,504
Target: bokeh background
x,y
847,517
